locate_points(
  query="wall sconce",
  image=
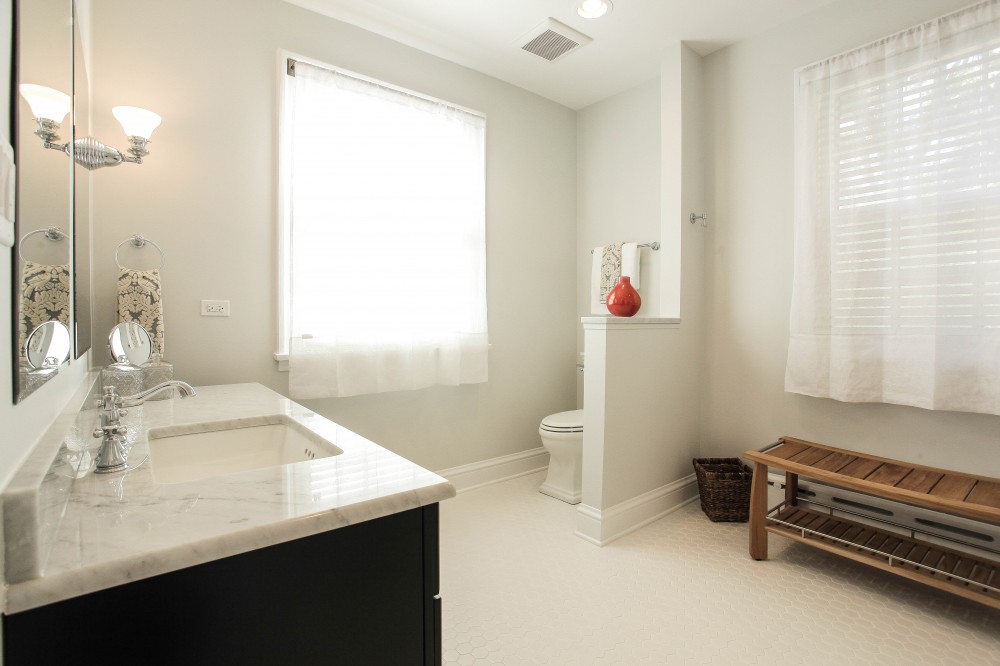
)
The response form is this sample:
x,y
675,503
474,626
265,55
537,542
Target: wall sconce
x,y
50,107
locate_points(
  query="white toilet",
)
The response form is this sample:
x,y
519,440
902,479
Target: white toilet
x,y
562,437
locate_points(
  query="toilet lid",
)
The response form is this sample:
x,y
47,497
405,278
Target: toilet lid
x,y
564,422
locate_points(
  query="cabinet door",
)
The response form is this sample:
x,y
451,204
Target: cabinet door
x,y
361,594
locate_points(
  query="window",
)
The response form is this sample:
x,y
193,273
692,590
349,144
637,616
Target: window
x,y
383,237
896,291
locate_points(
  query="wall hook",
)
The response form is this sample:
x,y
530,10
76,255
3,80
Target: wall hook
x,y
703,217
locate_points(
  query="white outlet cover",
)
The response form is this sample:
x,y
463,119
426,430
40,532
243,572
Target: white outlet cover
x,y
215,308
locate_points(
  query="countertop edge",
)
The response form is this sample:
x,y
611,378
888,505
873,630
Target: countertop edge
x,y
22,496
48,589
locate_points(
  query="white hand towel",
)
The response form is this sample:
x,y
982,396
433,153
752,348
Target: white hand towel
x,y
611,268
630,262
596,307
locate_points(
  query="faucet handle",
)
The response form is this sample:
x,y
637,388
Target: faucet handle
x,y
110,398
110,430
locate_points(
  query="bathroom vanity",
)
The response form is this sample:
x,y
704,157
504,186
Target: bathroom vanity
x,y
332,558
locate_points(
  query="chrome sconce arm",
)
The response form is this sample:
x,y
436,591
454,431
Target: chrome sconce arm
x,y
137,149
48,132
47,105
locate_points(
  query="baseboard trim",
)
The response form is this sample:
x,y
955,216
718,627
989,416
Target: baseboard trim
x,y
495,470
602,527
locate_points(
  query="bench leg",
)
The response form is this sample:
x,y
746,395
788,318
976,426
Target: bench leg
x,y
791,489
758,512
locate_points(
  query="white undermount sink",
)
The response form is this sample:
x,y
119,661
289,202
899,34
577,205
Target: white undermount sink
x,y
187,453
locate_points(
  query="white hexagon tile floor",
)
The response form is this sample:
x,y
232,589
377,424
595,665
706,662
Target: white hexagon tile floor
x,y
520,589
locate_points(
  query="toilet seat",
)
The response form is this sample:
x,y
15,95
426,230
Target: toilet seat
x,y
563,422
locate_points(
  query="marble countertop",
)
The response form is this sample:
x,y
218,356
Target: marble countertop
x,y
69,531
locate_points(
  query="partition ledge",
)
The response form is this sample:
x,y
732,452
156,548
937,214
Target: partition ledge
x,y
629,323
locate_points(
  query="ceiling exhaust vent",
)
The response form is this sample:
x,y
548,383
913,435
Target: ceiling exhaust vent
x,y
552,40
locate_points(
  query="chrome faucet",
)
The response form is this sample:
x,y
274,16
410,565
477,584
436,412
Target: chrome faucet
x,y
113,456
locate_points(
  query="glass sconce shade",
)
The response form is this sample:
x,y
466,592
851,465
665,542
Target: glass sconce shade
x,y
136,121
592,9
46,102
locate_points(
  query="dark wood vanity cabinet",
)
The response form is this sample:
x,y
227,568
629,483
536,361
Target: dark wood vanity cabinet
x,y
362,594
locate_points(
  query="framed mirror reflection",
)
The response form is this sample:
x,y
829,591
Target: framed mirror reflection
x,y
51,265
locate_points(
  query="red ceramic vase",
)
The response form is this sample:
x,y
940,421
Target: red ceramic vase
x,y
623,299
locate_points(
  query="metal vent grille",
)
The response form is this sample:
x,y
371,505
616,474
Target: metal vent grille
x,y
552,40
550,45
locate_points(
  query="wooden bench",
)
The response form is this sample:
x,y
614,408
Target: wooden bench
x,y
955,493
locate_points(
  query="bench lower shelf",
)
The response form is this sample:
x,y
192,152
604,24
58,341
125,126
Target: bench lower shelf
x,y
975,578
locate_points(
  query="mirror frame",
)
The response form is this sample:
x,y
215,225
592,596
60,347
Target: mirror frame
x,y
83,261
64,26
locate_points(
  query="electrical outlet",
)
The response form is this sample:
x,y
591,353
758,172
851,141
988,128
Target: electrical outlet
x,y
215,308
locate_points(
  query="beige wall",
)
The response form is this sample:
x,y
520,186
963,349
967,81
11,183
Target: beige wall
x,y
618,190
206,194
749,258
618,185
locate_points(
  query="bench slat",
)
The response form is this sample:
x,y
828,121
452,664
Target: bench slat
x,y
860,468
953,486
810,456
835,462
889,474
920,480
986,492
787,450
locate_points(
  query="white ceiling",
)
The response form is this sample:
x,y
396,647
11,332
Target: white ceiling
x,y
626,48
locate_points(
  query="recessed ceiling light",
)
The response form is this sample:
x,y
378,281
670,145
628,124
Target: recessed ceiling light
x,y
591,9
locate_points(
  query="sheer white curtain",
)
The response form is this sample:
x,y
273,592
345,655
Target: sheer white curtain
x,y
896,290
384,204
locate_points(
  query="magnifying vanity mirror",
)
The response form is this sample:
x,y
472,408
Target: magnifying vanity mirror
x,y
131,372
45,350
47,347
131,342
51,256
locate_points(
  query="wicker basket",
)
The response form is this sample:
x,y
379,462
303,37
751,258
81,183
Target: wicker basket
x,y
724,486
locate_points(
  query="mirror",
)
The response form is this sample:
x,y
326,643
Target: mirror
x,y
42,256
130,341
48,346
46,349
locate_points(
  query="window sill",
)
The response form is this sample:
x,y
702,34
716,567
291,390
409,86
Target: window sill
x,y
281,358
